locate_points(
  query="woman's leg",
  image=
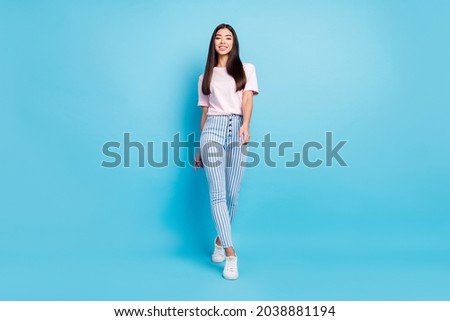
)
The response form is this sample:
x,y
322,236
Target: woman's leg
x,y
234,169
215,174
214,161
234,173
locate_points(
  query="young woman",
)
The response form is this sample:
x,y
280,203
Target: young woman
x,y
225,93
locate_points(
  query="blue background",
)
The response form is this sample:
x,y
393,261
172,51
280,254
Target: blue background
x,y
77,74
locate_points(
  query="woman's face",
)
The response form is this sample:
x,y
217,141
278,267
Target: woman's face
x,y
223,41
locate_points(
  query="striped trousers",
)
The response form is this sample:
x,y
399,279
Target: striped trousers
x,y
223,159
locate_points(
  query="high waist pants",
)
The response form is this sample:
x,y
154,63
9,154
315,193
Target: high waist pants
x,y
223,159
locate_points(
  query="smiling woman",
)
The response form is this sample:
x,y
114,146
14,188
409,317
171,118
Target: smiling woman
x,y
225,93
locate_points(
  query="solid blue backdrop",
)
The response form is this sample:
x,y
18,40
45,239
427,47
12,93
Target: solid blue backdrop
x,y
75,75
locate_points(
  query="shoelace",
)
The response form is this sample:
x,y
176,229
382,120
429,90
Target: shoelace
x,y
231,265
219,251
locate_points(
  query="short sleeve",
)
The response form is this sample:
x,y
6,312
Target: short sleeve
x,y
252,82
203,100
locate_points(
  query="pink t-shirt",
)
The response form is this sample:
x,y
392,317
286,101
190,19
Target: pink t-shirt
x,y
224,99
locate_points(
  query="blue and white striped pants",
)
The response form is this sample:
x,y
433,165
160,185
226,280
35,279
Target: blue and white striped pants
x,y
223,159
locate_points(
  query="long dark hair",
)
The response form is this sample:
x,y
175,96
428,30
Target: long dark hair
x,y
234,64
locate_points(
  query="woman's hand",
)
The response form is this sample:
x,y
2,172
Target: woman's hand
x,y
244,134
198,160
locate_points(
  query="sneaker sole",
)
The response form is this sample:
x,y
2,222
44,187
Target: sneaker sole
x,y
218,261
231,279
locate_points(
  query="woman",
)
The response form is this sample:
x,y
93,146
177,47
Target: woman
x,y
225,92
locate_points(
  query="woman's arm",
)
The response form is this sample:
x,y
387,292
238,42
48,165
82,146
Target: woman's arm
x,y
198,159
204,115
247,106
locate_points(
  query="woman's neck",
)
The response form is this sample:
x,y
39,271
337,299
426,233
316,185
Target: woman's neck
x,y
222,61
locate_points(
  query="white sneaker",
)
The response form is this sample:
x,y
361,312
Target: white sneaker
x,y
218,255
230,271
